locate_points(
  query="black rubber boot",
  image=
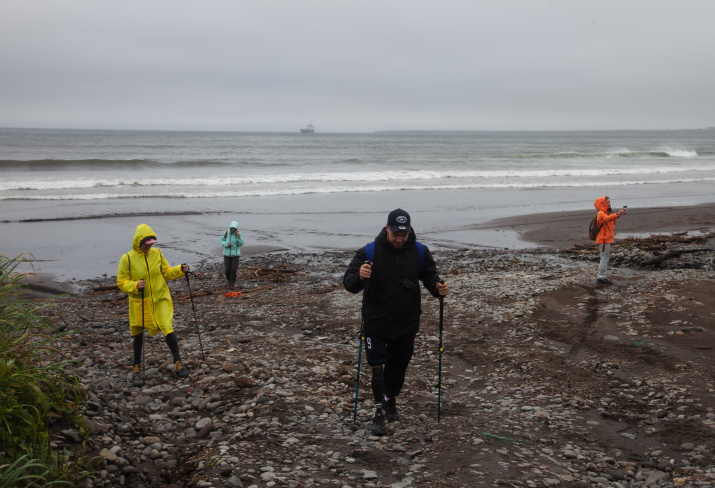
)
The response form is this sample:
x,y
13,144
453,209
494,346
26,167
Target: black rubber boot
x,y
378,423
391,410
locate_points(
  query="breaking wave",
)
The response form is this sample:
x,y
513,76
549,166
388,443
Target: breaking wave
x,y
375,187
575,176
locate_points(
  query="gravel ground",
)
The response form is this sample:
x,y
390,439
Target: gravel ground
x,y
548,379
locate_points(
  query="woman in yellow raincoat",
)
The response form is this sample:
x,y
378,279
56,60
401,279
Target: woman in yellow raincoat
x,y
142,274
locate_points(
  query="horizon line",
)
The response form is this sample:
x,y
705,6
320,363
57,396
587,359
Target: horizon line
x,y
712,128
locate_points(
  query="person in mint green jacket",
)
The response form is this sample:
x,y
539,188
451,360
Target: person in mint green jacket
x,y
231,240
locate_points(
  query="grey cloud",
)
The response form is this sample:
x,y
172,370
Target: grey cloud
x,y
357,66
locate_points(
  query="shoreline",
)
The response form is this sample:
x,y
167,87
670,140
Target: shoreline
x,y
555,230
568,228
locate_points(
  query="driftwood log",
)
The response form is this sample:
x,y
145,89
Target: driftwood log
x,y
654,243
279,268
106,288
675,253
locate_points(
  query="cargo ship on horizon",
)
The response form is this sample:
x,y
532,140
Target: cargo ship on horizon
x,y
309,129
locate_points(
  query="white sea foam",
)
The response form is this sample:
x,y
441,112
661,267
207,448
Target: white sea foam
x,y
681,153
582,176
375,187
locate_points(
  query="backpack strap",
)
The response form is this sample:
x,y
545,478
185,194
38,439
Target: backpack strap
x,y
370,251
421,249
370,254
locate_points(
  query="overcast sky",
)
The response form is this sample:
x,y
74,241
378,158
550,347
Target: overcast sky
x,y
349,66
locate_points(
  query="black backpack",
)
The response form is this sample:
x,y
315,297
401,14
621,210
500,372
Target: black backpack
x,y
594,228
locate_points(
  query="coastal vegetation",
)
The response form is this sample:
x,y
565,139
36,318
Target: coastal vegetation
x,y
38,394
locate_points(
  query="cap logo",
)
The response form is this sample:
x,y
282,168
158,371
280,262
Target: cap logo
x,y
401,219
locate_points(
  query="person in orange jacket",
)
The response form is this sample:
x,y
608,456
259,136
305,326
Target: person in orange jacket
x,y
607,222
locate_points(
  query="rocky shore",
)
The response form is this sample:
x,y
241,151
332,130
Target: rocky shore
x,y
548,379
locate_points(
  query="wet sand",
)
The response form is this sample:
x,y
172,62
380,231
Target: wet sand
x,y
81,249
564,229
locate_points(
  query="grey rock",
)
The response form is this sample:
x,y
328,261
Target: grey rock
x,y
234,482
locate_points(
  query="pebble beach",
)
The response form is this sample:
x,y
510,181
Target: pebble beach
x,y
548,379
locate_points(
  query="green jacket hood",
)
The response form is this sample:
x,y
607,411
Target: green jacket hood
x,y
140,233
233,224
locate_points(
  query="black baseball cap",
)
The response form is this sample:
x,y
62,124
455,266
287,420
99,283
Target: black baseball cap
x,y
399,220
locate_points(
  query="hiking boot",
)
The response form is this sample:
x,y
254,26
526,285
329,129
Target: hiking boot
x,y
378,424
137,375
180,370
604,281
391,410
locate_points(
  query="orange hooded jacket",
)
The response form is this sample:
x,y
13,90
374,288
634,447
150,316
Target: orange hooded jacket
x,y
606,220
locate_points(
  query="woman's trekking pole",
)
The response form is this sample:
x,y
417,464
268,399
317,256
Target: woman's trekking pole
x,y
439,378
198,331
143,361
357,378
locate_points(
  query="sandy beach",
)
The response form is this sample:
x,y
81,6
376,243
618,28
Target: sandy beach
x,y
564,229
548,378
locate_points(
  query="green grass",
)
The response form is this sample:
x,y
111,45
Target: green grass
x,y
35,386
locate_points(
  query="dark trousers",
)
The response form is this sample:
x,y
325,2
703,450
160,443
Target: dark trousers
x,y
395,354
230,264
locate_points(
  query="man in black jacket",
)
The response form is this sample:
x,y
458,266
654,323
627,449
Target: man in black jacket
x,y
391,306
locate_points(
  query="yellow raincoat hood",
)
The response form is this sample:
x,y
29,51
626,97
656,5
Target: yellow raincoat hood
x,y
140,233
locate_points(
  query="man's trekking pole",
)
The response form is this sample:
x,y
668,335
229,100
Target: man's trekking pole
x,y
439,378
198,332
357,378
362,338
143,361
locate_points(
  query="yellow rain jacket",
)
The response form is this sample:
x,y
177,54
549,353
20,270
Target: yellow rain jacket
x,y
153,268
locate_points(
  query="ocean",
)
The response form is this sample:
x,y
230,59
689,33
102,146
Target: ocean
x,y
311,192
